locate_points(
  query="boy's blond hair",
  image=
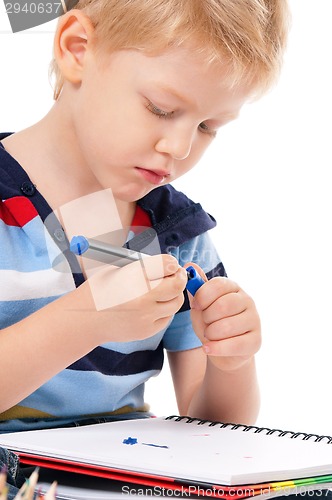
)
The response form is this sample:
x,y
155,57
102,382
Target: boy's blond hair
x,y
248,35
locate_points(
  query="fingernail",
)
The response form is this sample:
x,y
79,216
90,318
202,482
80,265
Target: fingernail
x,y
207,349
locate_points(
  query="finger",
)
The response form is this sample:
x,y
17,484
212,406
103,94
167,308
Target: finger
x,y
240,346
158,266
217,287
230,304
165,312
168,308
169,287
162,323
111,287
231,326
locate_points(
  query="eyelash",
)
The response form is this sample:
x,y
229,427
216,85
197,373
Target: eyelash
x,y
206,130
166,115
160,113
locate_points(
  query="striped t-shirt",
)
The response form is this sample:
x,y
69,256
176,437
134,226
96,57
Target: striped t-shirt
x,y
110,379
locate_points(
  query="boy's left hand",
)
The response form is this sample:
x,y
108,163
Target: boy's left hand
x,y
226,321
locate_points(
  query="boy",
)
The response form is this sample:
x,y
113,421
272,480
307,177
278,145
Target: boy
x,y
141,89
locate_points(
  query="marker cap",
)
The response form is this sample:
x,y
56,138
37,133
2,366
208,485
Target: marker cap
x,y
79,245
195,281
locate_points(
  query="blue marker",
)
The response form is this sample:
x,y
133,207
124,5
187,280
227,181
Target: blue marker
x,y
119,256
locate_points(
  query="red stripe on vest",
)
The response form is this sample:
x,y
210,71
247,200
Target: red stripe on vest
x,y
17,211
140,220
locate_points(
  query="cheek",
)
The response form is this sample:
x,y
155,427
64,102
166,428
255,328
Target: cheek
x,y
120,124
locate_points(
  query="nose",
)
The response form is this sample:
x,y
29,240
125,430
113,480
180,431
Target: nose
x,y
177,145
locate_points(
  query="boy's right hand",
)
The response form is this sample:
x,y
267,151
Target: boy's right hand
x,y
133,302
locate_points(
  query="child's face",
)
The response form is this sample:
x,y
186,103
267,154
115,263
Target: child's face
x,y
141,121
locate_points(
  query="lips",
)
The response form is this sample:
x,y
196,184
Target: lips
x,y
155,177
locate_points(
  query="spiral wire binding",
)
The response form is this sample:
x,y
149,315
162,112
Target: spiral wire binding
x,y
253,428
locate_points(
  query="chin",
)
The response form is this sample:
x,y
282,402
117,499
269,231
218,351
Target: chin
x,y
133,193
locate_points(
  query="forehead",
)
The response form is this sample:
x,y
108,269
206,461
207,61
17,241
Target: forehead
x,y
183,73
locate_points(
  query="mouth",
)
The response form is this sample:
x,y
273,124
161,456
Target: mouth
x,y
155,177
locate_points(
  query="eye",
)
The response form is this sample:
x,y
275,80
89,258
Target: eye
x,y
205,129
160,113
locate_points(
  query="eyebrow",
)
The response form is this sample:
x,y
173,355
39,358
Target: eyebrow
x,y
170,90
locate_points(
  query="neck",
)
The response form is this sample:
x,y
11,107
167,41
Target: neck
x,y
49,154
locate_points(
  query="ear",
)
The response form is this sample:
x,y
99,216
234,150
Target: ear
x,y
73,34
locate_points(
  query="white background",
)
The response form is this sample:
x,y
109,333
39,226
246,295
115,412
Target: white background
x,y
267,181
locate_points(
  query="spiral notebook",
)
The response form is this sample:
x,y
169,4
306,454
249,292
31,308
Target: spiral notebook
x,y
222,460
